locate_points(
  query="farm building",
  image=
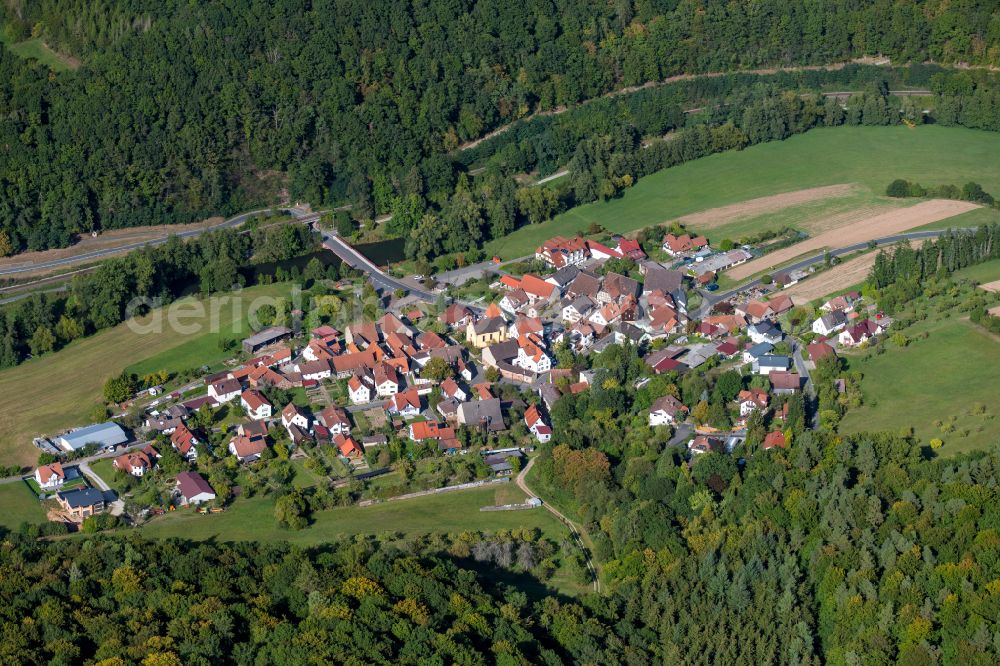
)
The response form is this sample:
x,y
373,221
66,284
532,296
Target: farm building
x,y
105,435
266,337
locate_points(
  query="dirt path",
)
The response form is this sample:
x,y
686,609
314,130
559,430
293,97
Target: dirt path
x,y
715,217
673,79
578,534
880,226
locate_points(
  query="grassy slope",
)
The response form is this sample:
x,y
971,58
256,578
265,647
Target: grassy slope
x,y
253,519
933,380
19,506
981,273
868,156
59,390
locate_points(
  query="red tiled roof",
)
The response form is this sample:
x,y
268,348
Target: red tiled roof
x,y
773,439
46,472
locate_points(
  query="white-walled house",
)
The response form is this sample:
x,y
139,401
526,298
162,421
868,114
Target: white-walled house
x,y
667,411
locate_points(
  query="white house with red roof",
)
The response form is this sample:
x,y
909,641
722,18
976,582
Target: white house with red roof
x,y
537,425
559,251
386,380
531,356
291,414
50,477
451,389
360,389
751,400
256,405
405,403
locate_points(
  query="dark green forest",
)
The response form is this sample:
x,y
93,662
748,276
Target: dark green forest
x,y
185,110
836,550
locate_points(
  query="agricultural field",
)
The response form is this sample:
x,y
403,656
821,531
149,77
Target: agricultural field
x,y
253,519
841,234
39,402
936,385
853,165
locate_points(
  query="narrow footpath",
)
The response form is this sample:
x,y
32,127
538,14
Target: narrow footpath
x,y
578,534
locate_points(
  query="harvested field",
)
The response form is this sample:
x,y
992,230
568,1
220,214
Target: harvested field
x,y
715,217
834,279
880,226
991,286
995,311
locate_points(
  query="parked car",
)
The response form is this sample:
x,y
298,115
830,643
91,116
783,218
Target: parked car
x,y
712,287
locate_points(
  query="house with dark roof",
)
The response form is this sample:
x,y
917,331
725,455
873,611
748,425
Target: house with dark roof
x,y
81,503
667,410
192,488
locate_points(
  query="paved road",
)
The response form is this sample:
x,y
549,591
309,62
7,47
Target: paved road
x,y
711,299
574,530
100,254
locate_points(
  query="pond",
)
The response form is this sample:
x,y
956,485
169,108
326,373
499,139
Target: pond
x,y
380,253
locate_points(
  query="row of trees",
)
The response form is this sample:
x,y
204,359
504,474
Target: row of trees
x,y
899,274
181,112
214,262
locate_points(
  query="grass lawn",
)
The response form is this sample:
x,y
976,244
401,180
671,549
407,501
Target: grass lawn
x,y
59,390
982,273
19,506
931,380
253,519
37,49
105,468
303,477
870,157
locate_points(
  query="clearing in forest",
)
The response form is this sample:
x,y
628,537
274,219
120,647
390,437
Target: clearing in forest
x,y
879,226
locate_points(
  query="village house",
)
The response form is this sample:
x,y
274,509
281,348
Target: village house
x,y
844,302
405,404
360,388
192,488
765,365
819,350
751,354
584,284
224,390
315,370
600,251
256,405
829,322
386,380
536,424
81,503
562,277
784,383
247,449
628,247
704,444
559,251
576,309
484,414
531,357
765,331
455,315
184,442
335,420
137,463
679,245
775,439
667,410
451,389
50,477
348,447
291,414
751,400
859,333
